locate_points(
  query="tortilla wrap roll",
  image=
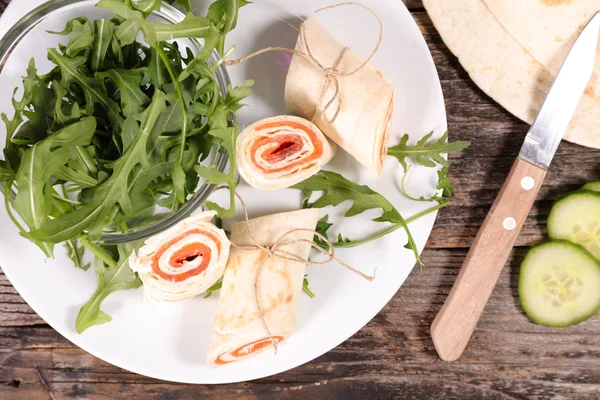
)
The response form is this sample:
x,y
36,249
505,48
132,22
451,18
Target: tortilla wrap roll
x,y
238,329
183,261
367,98
281,151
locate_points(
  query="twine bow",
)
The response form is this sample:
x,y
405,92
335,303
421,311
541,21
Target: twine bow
x,y
332,74
276,251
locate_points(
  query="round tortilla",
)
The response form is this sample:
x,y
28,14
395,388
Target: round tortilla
x,y
547,29
504,69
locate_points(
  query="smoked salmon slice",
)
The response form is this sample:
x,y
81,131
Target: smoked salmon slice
x,y
281,151
183,261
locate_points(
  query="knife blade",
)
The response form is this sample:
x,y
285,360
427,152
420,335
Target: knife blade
x,y
554,117
455,323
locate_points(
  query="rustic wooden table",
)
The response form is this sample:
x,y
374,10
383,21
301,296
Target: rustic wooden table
x,y
393,356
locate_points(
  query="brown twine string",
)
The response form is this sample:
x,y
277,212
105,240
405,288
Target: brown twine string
x,y
332,74
276,251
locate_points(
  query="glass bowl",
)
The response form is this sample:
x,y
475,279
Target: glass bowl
x,y
28,38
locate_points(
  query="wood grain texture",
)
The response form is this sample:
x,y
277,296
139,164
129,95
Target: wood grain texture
x,y
453,326
393,357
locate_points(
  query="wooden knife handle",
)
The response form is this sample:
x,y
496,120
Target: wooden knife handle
x,y
456,321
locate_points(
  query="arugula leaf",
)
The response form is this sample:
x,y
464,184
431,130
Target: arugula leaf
x,y
146,7
110,279
306,289
6,172
82,161
77,178
12,125
38,164
190,27
224,14
338,189
103,35
217,286
178,173
75,253
133,99
121,9
154,32
127,32
426,154
156,71
323,225
444,183
81,35
70,72
223,128
333,189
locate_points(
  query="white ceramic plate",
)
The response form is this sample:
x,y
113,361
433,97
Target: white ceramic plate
x,y
170,342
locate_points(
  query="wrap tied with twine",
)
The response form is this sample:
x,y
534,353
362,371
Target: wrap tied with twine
x,y
332,74
277,250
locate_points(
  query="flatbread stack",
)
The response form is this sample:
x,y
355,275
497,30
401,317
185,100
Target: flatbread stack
x,y
512,49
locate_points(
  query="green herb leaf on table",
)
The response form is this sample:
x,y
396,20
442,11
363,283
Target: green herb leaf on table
x,y
444,183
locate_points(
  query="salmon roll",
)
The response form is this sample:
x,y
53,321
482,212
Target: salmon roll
x,y
365,99
183,261
238,329
281,151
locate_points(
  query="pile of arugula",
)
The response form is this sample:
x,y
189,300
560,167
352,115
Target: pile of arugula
x,y
115,129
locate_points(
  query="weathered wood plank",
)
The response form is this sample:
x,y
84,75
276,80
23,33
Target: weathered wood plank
x,y
413,5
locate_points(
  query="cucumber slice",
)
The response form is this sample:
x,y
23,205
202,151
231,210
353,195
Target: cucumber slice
x,y
559,284
594,186
576,218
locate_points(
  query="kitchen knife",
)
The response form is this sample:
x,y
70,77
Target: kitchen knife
x,y
456,321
